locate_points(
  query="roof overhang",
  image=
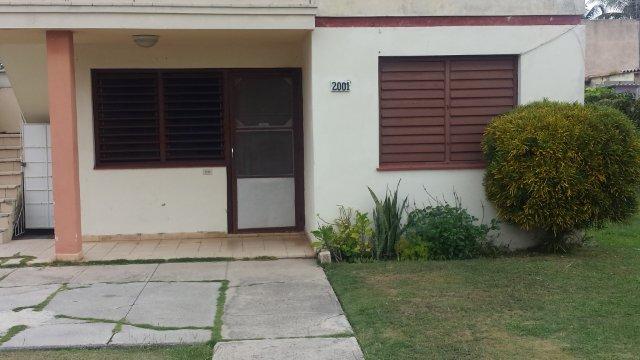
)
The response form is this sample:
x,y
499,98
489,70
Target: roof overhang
x,y
237,15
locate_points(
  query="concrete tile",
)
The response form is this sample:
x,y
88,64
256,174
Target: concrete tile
x,y
253,272
232,247
131,335
144,249
115,274
21,296
275,247
187,248
121,251
190,271
99,251
283,309
282,298
41,276
100,301
253,245
5,272
240,327
172,304
210,249
166,249
294,349
61,336
32,319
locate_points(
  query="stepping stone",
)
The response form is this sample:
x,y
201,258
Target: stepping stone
x,y
61,336
273,326
41,276
97,301
293,349
14,297
190,272
274,310
131,335
176,304
242,273
115,274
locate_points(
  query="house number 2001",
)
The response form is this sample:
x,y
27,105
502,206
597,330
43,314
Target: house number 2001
x,y
341,86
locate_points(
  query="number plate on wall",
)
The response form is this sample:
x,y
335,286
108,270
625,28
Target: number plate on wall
x,y
341,86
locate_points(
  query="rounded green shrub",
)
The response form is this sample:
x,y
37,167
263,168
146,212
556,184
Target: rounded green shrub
x,y
558,167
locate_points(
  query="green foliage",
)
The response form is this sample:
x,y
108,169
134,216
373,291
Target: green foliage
x,y
387,223
557,168
624,102
449,232
408,250
348,238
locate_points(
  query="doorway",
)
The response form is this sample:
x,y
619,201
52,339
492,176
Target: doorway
x,y
266,167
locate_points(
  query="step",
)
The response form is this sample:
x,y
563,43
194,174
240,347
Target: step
x,y
10,152
5,220
6,235
10,177
10,164
10,140
7,205
9,191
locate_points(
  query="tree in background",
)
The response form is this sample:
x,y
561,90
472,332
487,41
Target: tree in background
x,y
612,9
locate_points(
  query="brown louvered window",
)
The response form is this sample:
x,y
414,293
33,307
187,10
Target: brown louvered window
x,y
158,117
433,111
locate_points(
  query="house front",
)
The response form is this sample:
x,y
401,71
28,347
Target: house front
x,y
216,117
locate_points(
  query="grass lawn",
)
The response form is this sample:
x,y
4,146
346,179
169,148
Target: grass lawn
x,y
583,305
202,352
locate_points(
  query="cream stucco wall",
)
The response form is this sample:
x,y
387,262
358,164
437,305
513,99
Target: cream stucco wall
x,y
345,126
27,69
612,46
333,7
160,200
10,115
448,7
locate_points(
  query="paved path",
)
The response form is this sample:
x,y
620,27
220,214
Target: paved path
x,y
287,304
38,251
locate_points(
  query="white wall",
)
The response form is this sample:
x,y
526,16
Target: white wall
x,y
449,7
159,200
345,126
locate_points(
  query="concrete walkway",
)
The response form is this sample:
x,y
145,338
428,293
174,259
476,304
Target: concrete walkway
x,y
287,304
250,247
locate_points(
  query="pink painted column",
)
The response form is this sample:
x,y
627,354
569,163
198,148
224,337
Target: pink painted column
x,y
64,145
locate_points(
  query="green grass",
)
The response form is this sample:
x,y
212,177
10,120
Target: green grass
x,y
200,352
582,305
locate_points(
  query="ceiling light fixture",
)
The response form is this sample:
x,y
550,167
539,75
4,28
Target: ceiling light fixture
x,y
145,40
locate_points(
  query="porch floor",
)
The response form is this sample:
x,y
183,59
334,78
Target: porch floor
x,y
240,247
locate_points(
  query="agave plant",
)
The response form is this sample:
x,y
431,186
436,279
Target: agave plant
x,y
387,223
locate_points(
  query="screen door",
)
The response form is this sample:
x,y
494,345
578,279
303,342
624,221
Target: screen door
x,y
264,117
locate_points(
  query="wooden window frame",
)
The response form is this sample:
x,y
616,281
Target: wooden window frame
x,y
163,163
447,164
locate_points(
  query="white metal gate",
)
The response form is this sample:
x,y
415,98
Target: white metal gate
x,y
38,188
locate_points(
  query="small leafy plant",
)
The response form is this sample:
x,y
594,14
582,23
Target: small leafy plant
x,y
348,238
449,232
387,224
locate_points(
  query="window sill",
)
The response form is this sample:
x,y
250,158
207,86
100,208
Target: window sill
x,y
141,166
439,166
